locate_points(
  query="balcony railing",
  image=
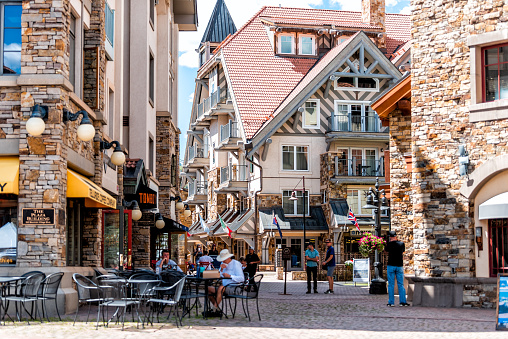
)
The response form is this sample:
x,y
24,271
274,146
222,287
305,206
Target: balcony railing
x,y
230,130
233,173
195,152
197,188
357,167
356,123
221,95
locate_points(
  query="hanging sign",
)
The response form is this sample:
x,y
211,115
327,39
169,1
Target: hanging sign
x,y
361,271
38,216
502,302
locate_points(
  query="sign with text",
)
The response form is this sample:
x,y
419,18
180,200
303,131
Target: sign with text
x,y
286,253
502,302
38,216
361,271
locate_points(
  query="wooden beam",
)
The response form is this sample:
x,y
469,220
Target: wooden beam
x,y
296,120
378,76
371,67
265,149
351,66
362,59
327,89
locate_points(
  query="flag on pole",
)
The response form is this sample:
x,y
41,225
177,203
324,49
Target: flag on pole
x,y
225,227
186,229
352,218
276,223
205,228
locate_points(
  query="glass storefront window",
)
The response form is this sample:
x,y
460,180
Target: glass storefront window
x,y
111,236
8,232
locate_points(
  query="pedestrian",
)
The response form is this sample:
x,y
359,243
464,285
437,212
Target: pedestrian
x,y
252,260
394,269
213,251
312,259
329,263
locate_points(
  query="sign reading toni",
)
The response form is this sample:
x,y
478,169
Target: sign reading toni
x,y
38,216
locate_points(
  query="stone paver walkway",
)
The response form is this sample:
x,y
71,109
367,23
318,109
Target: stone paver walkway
x,y
350,312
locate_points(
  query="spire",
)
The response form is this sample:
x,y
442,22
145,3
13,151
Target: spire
x,y
220,24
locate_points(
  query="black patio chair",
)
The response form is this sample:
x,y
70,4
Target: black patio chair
x,y
172,302
13,288
27,294
246,292
88,292
49,292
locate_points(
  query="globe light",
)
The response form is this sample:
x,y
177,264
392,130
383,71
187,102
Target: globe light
x,y
86,132
179,206
187,213
160,222
118,158
35,126
136,213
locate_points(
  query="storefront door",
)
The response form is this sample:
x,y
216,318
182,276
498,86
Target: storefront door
x,y
110,239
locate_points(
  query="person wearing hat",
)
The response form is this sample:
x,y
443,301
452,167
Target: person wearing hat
x,y
252,260
394,269
231,272
330,264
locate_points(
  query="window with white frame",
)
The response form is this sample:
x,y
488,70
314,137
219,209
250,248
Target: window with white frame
x,y
312,114
286,44
352,83
295,207
356,199
295,158
355,116
307,45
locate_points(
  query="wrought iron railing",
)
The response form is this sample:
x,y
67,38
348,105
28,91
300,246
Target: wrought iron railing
x,y
353,167
356,123
230,130
197,188
233,173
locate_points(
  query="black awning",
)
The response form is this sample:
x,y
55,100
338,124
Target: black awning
x,y
145,196
315,222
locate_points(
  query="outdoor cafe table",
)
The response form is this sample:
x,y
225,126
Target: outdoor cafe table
x,y
4,281
206,281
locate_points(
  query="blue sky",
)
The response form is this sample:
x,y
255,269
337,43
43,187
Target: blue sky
x,y
241,11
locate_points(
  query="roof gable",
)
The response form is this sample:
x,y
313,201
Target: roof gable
x,y
337,62
220,24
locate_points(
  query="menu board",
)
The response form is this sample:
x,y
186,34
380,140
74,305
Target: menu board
x,y
502,302
361,271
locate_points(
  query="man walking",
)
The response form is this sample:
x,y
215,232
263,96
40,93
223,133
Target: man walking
x,y
312,258
394,269
252,260
330,264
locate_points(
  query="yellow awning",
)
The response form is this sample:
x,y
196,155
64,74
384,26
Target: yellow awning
x,y
9,175
79,186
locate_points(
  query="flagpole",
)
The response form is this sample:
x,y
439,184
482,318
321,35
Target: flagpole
x,y
304,210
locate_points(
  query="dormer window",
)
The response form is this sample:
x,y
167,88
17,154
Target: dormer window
x,y
286,44
357,84
307,45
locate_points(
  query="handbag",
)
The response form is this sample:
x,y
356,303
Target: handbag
x,y
324,267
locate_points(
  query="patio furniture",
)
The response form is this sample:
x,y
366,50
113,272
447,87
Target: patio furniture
x,y
246,292
173,302
88,292
50,287
27,294
5,282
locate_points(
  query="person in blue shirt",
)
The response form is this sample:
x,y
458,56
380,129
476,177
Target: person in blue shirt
x,y
330,264
312,259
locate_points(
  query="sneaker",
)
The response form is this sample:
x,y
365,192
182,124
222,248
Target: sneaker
x,y
315,291
329,292
404,305
308,292
390,305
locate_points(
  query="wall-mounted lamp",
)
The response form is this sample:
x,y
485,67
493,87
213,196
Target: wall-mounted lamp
x,y
479,238
187,212
136,212
344,229
463,160
179,204
118,157
86,131
159,221
35,125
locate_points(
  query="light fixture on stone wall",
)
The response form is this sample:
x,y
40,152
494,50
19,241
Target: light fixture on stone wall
x,y
86,131
35,125
118,157
179,204
187,212
136,212
159,221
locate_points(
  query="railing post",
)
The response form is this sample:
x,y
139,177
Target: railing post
x,y
336,169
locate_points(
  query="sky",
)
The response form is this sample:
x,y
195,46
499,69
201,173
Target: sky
x,y
241,11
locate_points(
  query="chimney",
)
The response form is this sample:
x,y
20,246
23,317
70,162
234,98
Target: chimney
x,y
373,12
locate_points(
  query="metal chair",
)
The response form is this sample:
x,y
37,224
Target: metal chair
x,y
49,292
248,292
173,303
13,289
85,288
28,294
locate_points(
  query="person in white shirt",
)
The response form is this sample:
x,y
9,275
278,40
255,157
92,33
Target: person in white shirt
x,y
166,263
205,261
232,274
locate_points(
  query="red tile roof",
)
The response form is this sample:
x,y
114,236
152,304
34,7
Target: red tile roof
x,y
260,80
400,52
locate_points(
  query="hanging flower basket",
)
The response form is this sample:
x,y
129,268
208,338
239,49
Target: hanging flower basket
x,y
369,243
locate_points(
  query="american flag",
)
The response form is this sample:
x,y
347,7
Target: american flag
x,y
352,218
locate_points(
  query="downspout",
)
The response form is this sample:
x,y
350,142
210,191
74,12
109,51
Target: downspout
x,y
256,217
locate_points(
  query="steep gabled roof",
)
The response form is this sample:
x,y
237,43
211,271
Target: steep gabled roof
x,y
220,24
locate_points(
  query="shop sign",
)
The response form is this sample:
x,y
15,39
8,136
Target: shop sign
x,y
286,253
361,271
502,302
38,216
360,233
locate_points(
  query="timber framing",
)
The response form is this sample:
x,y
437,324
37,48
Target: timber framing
x,y
396,97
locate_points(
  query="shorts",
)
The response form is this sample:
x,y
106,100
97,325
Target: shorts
x,y
329,271
230,290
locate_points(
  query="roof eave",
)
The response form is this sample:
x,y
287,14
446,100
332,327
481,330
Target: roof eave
x,y
387,102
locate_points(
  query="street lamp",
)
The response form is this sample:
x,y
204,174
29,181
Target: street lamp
x,y
118,157
35,125
295,198
179,204
378,284
136,215
86,131
187,212
159,222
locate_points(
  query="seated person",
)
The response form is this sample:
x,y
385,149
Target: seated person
x,y
205,261
243,262
165,263
231,272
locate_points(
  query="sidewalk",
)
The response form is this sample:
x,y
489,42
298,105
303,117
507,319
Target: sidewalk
x,y
350,312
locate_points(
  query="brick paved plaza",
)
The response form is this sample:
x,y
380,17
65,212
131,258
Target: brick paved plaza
x,y
351,311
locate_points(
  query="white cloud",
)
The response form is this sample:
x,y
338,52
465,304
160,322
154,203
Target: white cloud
x,y
405,10
191,97
241,11
349,5
390,3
